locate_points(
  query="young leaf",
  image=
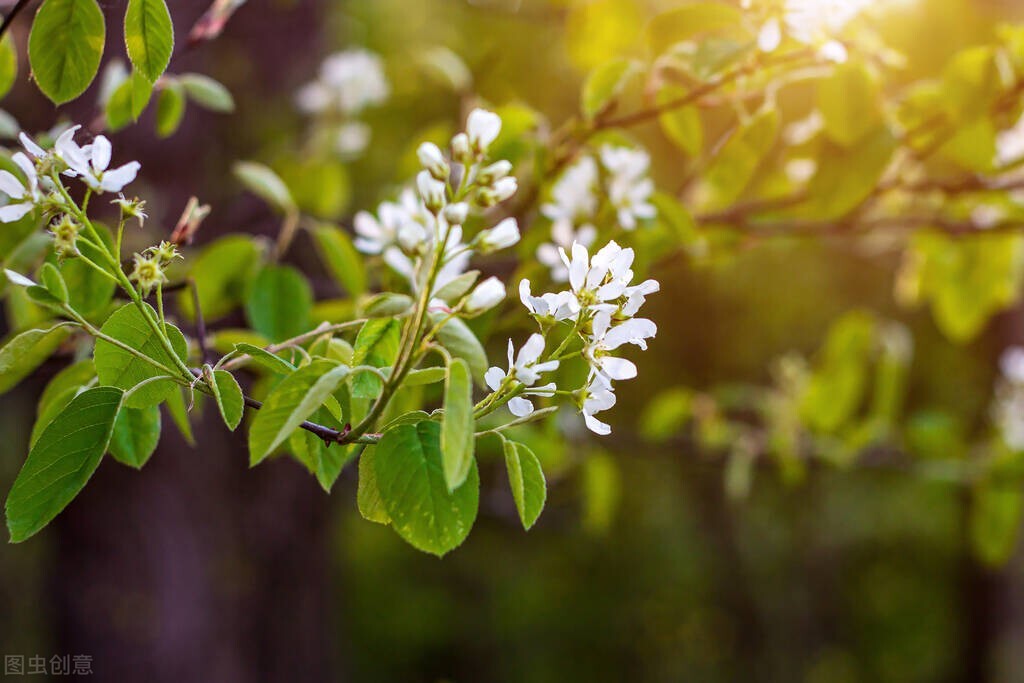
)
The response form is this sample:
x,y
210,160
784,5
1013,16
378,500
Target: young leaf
x,y
263,182
62,460
341,258
604,84
279,303
207,93
25,352
136,435
297,397
457,424
371,506
128,101
410,478
682,125
385,305
149,37
229,398
119,368
8,65
65,47
265,358
170,109
54,283
323,460
376,345
457,288
422,376
526,479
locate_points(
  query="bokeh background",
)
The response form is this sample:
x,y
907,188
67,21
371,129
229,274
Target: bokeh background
x,y
642,568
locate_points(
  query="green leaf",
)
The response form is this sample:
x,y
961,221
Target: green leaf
x,y
89,292
136,435
65,47
604,84
207,93
732,169
458,287
682,125
847,176
221,274
54,283
291,402
526,479
970,83
462,343
229,398
376,345
62,460
666,414
128,101
64,386
341,258
170,109
837,388
386,305
119,368
270,361
410,478
371,506
8,65
995,517
319,184
178,411
421,376
457,437
263,182
20,356
850,103
149,37
279,303
325,461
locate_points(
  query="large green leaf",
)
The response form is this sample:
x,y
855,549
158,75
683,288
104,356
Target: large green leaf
x,y
27,351
136,435
850,103
221,274
732,169
128,101
118,368
847,176
526,479
64,386
376,345
457,437
371,506
62,460
291,402
65,47
149,37
341,258
280,303
410,478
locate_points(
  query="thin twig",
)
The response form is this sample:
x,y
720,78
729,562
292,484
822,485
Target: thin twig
x,y
204,350
11,15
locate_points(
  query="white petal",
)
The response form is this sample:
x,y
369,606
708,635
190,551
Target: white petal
x,y
27,167
493,378
14,212
602,321
596,426
30,145
618,368
520,407
115,180
577,266
100,153
11,186
631,331
530,351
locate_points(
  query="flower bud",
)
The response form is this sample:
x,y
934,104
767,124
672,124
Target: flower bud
x,y
502,235
165,252
489,174
148,273
456,213
482,127
432,191
486,296
431,159
499,192
411,237
460,149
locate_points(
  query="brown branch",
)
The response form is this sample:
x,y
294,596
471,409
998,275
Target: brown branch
x,y
22,4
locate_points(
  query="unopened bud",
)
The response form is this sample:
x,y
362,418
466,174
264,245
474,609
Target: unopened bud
x,y
502,235
432,191
489,174
433,161
486,296
456,213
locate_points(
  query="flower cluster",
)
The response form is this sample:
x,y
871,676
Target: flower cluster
x,y
600,305
90,163
150,265
621,178
422,235
348,82
1008,408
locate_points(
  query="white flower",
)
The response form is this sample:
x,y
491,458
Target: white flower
x,y
1010,144
985,216
799,171
432,190
556,307
629,188
599,397
351,138
496,171
502,189
605,338
526,370
91,163
817,21
563,235
770,36
573,196
348,82
601,279
802,131
1012,364
24,196
482,128
833,51
485,296
433,161
501,236
636,296
375,234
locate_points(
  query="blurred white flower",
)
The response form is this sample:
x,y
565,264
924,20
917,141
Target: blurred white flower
x,y
803,131
351,138
485,296
24,196
799,171
629,188
573,196
818,21
348,82
1010,144
770,36
1008,407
